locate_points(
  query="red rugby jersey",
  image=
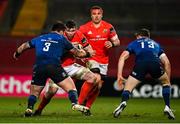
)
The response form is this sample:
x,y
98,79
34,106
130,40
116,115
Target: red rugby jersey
x,y
79,38
97,38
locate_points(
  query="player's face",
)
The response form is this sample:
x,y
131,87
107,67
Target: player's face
x,y
96,15
70,32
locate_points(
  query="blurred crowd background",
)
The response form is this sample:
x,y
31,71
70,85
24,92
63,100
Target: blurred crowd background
x,y
21,20
31,17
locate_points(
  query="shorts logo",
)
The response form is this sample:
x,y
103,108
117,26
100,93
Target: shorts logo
x,y
134,73
63,74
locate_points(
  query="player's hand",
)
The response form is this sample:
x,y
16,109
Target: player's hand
x,y
92,53
108,44
121,82
16,55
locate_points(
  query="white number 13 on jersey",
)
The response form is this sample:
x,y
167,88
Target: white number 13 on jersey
x,y
46,47
150,44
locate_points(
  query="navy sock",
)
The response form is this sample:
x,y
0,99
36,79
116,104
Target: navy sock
x,y
166,95
125,95
73,96
31,101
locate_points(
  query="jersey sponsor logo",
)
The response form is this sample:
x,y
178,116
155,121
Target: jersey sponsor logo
x,y
96,39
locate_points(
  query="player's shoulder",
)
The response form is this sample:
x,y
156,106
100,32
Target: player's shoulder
x,y
79,34
107,24
87,24
132,43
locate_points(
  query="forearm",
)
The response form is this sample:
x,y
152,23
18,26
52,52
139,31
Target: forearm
x,y
115,41
80,53
23,47
120,67
20,49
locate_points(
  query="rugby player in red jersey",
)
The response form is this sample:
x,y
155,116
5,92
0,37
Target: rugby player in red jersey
x,y
70,66
101,35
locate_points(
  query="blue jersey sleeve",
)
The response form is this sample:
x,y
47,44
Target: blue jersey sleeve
x,y
68,44
130,48
32,43
161,51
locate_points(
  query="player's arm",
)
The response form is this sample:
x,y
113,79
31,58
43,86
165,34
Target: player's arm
x,y
125,55
89,50
113,40
165,61
21,49
79,53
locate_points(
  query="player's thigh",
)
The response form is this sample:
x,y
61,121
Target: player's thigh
x,y
72,69
102,68
139,70
56,73
85,74
155,69
39,76
164,79
67,84
131,83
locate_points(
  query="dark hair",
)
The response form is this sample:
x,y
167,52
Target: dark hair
x,y
58,26
143,32
70,24
96,7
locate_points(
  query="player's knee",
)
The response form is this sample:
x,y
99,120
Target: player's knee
x,y
52,90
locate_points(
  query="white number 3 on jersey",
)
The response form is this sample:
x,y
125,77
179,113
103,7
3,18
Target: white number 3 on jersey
x,y
46,47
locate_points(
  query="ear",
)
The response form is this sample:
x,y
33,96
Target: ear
x,y
61,32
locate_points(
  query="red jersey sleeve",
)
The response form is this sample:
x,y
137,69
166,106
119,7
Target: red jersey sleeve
x,y
83,41
112,31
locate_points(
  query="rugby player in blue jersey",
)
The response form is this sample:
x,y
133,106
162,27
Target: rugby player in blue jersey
x,y
49,50
149,60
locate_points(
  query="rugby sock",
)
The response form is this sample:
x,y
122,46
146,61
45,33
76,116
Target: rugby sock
x,y
85,90
73,96
166,95
92,97
125,95
31,101
43,103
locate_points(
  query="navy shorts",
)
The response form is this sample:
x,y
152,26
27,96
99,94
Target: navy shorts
x,y
141,69
42,73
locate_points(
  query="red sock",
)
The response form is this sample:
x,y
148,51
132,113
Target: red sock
x,y
92,97
43,103
85,89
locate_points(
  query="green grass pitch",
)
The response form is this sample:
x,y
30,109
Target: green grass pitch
x,y
59,111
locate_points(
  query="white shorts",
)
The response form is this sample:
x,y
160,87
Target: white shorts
x,y
94,64
75,70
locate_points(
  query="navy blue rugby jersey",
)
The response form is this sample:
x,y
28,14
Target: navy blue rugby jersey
x,y
50,48
145,49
